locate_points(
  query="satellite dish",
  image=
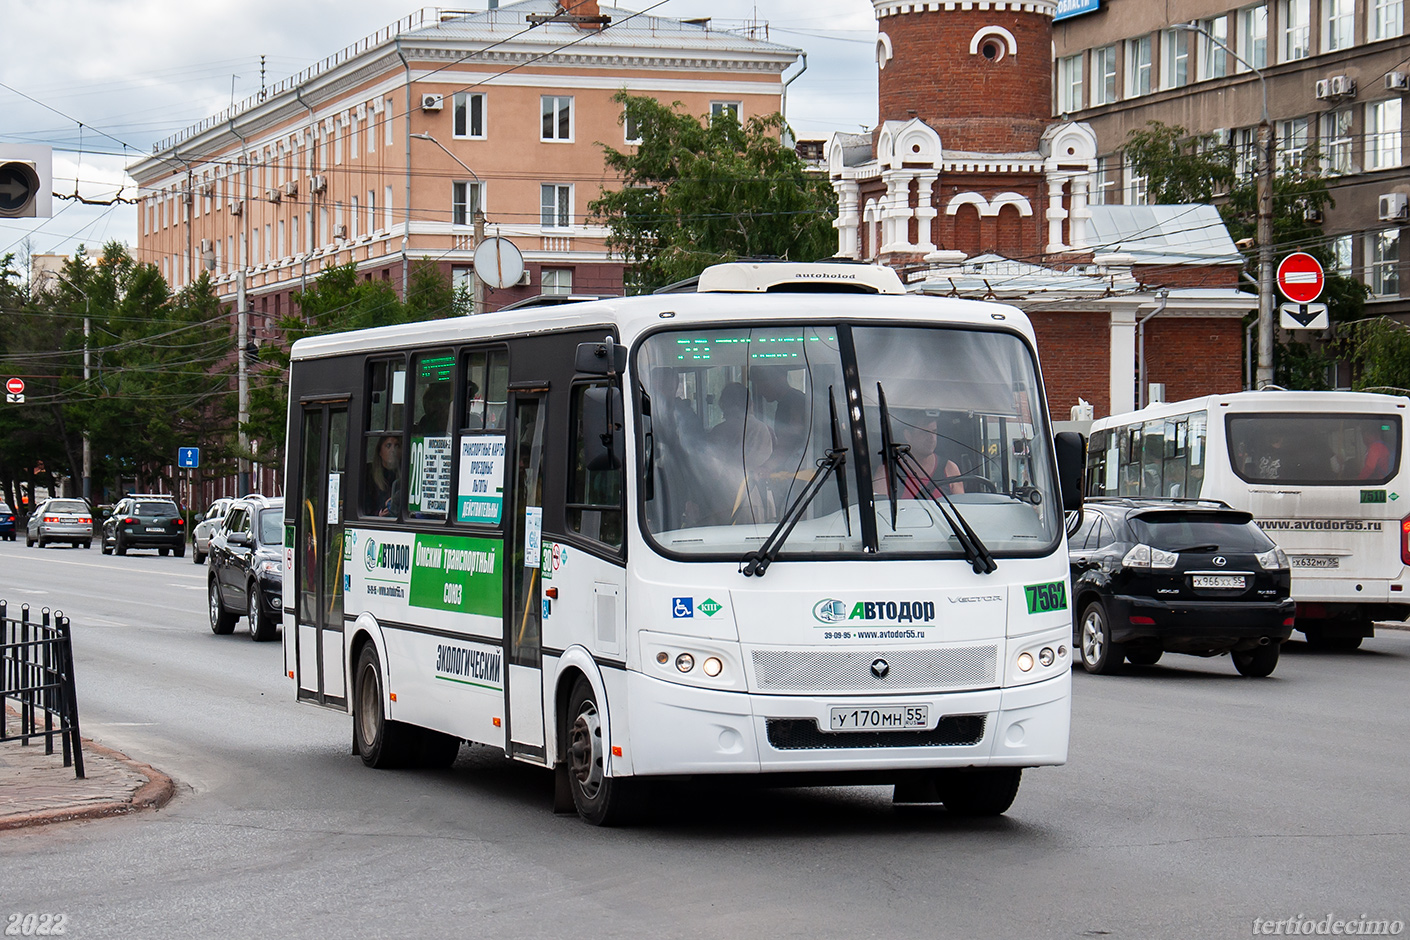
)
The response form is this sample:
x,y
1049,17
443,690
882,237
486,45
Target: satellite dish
x,y
498,263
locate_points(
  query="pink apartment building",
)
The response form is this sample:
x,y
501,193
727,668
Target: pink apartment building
x,y
333,164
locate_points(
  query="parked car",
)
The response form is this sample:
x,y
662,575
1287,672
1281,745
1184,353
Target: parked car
x,y
7,522
145,521
201,534
247,567
1153,576
60,520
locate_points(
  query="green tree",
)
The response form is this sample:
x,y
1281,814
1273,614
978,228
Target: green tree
x,y
1184,168
699,191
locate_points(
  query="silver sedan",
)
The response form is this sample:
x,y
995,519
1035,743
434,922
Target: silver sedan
x,y
60,520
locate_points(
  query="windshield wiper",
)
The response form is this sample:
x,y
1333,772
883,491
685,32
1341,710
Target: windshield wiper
x,y
1198,548
898,457
757,562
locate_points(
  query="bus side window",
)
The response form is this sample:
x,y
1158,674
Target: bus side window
x,y
432,394
384,469
594,506
1096,464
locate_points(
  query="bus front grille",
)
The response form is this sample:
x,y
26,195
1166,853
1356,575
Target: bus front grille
x,y
893,670
799,734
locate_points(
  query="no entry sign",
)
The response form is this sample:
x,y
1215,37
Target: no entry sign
x,y
1300,277
14,386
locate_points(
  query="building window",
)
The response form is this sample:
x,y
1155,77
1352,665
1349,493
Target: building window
x,y
718,108
1383,134
387,207
1069,84
631,129
469,112
1214,52
1336,143
352,218
1383,262
1292,143
1102,191
1175,58
1245,142
1338,24
1104,75
557,112
1387,18
556,205
1295,17
1138,66
1135,194
465,200
1340,247
556,281
1253,38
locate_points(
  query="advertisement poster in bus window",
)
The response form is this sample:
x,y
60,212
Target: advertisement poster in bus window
x,y
430,476
481,494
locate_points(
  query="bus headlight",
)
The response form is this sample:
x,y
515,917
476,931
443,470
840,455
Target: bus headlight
x,y
1046,656
1037,660
685,662
712,667
1025,662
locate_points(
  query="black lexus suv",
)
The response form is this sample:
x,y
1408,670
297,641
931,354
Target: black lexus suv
x,y
246,573
1153,576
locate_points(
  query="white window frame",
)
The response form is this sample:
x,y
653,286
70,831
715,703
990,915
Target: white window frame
x,y
387,208
562,196
465,197
1337,143
1384,123
1294,137
1387,19
1104,87
1134,188
1383,262
1214,58
1338,25
628,125
1340,248
1102,189
1069,84
556,109
1252,44
1294,30
463,106
555,280
1138,67
719,107
1175,58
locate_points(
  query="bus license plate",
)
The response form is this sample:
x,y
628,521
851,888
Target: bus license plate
x,y
1315,561
1218,581
881,718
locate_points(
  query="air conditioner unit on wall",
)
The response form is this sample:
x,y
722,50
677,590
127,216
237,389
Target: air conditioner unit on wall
x,y
523,280
272,195
1343,86
431,102
291,188
340,230
1398,81
1394,207
1324,89
237,206
318,184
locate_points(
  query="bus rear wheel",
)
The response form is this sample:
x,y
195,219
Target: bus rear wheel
x,y
381,742
986,792
598,798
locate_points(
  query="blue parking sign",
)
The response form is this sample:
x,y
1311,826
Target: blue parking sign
x,y
188,458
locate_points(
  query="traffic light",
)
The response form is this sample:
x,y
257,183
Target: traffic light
x,y
26,181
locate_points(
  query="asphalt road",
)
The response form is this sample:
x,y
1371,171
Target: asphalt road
x,y
1194,802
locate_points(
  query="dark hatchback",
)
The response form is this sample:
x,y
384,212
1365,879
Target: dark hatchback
x,y
7,522
246,574
145,522
1155,576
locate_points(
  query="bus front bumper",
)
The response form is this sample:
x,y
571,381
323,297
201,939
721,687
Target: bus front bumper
x,y
679,729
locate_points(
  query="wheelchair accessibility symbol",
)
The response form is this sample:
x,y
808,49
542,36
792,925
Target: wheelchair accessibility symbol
x,y
682,607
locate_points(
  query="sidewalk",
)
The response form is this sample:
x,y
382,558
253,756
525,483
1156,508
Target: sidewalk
x,y
37,789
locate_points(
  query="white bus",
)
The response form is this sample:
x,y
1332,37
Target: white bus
x,y
691,533
1322,472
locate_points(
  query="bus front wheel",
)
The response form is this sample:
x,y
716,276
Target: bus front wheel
x,y
986,792
598,798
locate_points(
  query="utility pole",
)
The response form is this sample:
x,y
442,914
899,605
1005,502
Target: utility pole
x,y
1266,146
477,286
242,322
87,376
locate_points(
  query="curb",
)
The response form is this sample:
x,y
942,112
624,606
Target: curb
x,y
152,795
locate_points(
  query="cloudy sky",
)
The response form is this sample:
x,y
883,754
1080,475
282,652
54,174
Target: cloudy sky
x,y
102,80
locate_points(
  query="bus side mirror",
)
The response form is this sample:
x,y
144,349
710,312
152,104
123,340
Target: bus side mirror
x,y
604,358
602,428
1071,450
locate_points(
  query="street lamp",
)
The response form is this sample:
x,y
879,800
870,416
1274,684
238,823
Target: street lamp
x,y
87,442
477,286
1265,217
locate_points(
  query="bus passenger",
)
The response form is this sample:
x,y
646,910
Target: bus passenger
x,y
1377,463
383,491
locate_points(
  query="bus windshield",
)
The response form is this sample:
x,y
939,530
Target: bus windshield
x,y
737,421
1315,449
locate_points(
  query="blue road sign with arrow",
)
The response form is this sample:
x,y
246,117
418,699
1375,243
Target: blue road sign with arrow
x,y
188,458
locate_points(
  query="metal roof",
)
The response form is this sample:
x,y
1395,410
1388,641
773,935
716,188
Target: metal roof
x,y
1177,234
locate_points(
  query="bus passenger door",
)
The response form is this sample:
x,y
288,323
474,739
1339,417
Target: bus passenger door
x,y
314,559
523,638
